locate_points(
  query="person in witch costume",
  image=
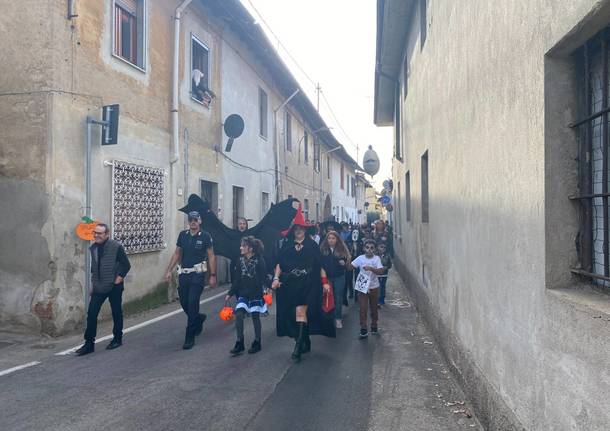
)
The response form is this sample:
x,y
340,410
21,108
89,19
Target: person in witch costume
x,y
299,282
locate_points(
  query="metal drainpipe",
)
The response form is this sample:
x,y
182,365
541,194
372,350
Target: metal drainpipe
x,y
175,83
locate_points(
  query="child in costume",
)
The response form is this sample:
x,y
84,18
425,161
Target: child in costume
x,y
370,268
249,281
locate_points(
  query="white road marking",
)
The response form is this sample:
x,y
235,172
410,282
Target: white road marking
x,y
143,324
17,368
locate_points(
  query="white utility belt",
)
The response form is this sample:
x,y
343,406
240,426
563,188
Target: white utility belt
x,y
198,268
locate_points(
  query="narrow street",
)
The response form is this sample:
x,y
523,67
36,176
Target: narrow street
x,y
394,381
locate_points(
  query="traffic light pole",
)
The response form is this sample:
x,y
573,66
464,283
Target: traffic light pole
x,y
88,210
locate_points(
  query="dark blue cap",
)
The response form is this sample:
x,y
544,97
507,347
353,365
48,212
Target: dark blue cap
x,y
194,215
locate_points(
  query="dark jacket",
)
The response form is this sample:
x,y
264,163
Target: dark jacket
x,y
107,261
331,265
249,278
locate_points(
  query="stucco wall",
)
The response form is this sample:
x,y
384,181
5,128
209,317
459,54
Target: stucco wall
x,y
531,357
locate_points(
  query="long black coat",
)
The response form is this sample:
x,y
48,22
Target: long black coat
x,y
301,291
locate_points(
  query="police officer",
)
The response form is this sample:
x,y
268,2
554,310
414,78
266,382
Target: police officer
x,y
109,266
195,252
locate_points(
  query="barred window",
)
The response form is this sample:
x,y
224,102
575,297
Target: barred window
x,y
592,131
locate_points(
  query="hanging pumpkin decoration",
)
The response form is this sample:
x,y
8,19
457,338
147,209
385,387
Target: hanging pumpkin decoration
x,y
226,313
268,298
84,230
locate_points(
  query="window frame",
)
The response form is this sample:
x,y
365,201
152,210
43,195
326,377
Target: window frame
x,y
306,148
288,131
263,123
143,45
342,172
423,23
425,188
195,39
408,195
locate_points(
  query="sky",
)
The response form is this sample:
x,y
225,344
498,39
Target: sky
x,y
332,42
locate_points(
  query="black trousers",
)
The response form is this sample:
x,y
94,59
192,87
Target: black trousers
x,y
115,296
190,287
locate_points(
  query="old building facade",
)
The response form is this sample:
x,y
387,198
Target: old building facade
x,y
499,110
171,142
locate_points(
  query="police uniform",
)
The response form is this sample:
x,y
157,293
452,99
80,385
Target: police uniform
x,y
190,285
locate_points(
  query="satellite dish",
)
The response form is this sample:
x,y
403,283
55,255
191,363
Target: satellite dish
x,y
234,127
370,161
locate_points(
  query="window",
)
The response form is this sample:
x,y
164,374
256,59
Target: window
x,y
209,193
405,76
423,21
306,148
424,188
347,187
200,72
397,127
238,204
138,207
316,156
306,209
328,167
398,210
129,31
593,169
342,177
288,131
353,187
408,195
262,113
264,204
317,211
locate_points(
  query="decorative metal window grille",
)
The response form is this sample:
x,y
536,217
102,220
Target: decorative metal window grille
x,y
138,207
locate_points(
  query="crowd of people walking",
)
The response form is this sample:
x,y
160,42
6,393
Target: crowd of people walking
x,y
316,270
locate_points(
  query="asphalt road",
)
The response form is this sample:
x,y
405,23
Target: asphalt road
x,y
396,380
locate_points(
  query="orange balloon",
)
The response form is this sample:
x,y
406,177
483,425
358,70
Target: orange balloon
x,y
85,230
268,299
226,313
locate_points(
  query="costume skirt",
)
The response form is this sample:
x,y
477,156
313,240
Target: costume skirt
x,y
251,306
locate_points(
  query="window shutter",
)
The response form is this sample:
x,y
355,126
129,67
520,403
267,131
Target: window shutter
x,y
130,5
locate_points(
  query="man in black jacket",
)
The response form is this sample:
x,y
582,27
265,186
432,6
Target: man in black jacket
x,y
109,266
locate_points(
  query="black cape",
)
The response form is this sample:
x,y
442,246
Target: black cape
x,y
288,297
227,240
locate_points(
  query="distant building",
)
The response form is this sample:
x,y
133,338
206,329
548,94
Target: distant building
x,y
501,218
122,52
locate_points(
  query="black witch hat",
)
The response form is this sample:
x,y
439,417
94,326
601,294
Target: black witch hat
x,y
195,203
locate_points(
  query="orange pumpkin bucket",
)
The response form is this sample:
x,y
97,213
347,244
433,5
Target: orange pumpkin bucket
x,y
226,313
268,298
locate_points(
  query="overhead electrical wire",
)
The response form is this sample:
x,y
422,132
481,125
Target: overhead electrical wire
x,y
296,63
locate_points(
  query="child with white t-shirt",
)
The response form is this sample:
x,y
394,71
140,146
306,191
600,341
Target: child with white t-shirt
x,y
370,266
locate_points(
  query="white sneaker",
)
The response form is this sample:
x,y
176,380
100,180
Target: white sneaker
x,y
338,323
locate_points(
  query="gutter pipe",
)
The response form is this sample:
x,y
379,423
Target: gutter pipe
x,y
175,83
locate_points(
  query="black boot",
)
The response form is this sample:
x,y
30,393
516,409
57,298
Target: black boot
x,y
306,345
298,345
189,342
88,347
202,317
238,349
256,347
116,342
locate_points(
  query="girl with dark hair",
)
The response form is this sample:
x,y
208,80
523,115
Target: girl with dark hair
x,y
335,261
249,279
